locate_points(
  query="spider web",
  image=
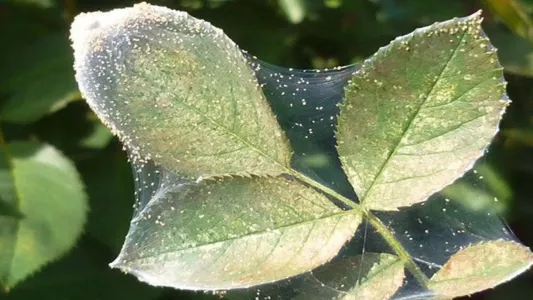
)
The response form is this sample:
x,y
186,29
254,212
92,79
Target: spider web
x,y
306,103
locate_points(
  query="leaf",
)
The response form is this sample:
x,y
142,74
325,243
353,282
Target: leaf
x,y
45,188
233,233
39,83
369,276
98,138
419,113
479,267
229,229
82,275
178,91
474,199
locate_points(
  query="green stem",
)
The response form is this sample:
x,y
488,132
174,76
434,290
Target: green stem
x,y
351,204
387,235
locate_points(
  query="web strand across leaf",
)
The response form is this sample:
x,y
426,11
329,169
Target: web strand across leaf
x,y
230,198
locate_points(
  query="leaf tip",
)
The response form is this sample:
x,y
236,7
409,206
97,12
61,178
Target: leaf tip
x,y
481,266
118,263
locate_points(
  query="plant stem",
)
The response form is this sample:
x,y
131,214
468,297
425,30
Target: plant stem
x,y
381,228
403,254
351,204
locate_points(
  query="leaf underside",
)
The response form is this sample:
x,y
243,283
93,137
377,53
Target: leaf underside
x,y
419,113
234,233
479,267
186,95
183,99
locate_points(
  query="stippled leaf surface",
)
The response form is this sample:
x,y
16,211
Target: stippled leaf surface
x,y
415,116
479,267
44,188
233,233
177,90
419,113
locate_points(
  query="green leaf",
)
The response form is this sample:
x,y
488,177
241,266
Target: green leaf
x,y
38,83
473,198
180,93
369,276
419,113
82,275
479,267
99,137
233,233
45,188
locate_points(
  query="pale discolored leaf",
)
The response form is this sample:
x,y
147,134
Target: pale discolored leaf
x,y
372,276
44,188
233,233
479,267
177,90
419,113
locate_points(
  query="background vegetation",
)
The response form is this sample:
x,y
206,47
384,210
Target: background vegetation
x,y
40,105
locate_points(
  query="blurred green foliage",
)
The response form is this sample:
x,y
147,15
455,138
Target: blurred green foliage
x,y
40,108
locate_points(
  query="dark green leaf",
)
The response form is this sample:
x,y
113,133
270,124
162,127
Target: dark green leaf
x,y
82,275
39,83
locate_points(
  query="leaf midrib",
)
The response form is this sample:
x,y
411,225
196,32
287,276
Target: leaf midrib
x,y
397,144
231,133
338,214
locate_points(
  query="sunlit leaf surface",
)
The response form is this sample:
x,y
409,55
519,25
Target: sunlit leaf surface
x,y
413,119
184,92
479,267
419,113
233,233
42,208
